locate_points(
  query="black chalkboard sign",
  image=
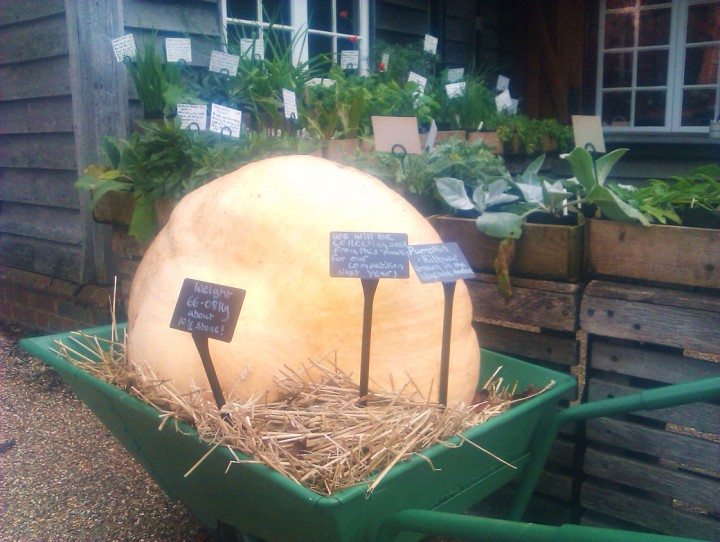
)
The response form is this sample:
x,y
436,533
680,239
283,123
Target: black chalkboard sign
x,y
208,309
439,262
368,255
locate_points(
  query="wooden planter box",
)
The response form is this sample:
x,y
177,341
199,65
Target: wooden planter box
x,y
491,139
544,251
664,254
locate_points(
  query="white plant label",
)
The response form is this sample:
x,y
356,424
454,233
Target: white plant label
x,y
384,62
455,74
225,120
349,60
503,101
503,83
224,62
124,46
430,44
255,47
177,49
453,90
290,102
192,116
419,79
431,136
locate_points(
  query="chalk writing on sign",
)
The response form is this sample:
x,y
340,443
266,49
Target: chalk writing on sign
x,y
369,255
207,309
439,262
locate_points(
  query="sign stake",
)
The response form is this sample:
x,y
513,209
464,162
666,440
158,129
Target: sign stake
x,y
201,343
369,287
449,291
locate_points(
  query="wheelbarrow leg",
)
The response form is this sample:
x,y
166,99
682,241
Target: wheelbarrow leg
x,y
663,397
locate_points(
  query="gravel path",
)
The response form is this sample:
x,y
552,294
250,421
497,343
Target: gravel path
x,y
63,476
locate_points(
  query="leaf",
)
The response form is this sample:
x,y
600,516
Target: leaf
x,y
581,164
111,151
615,208
143,224
605,163
502,263
100,187
496,194
500,225
530,173
554,195
453,192
532,193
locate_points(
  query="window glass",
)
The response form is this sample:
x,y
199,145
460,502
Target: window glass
x,y
617,70
701,65
619,30
697,107
616,108
652,68
650,108
703,23
654,27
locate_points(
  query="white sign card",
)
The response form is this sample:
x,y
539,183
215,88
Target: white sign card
x,y
432,135
430,44
225,120
124,47
224,63
453,90
254,47
315,81
419,79
349,59
514,106
177,49
290,102
192,116
503,101
391,131
455,74
503,83
384,62
588,129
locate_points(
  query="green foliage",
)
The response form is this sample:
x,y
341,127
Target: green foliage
x,y
533,133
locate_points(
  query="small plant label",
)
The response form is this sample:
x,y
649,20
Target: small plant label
x,y
225,120
290,103
124,47
503,101
252,47
207,309
367,255
431,135
503,83
419,80
349,59
454,90
455,74
224,63
177,49
430,44
384,62
439,262
192,116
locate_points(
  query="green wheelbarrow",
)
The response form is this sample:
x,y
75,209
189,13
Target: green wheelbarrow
x,y
413,499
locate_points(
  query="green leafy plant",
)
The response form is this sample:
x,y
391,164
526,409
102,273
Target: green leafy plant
x,y
532,134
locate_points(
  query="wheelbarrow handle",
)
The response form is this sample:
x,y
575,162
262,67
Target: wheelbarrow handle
x,y
664,397
467,527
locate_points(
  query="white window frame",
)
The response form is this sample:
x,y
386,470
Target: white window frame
x,y
299,25
676,72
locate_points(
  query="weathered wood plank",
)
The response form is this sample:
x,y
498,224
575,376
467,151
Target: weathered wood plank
x,y
683,449
701,416
40,38
526,344
41,151
661,316
543,251
394,19
648,514
461,8
48,223
670,254
460,30
555,484
183,17
39,187
530,306
45,77
36,115
685,487
44,257
650,364
12,11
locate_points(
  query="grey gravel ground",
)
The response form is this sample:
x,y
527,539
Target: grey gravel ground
x,y
63,476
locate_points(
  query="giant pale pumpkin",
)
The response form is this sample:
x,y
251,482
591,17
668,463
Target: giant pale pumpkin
x,y
265,228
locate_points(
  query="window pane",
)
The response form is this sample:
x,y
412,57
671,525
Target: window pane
x,y
320,15
619,30
614,4
652,68
616,108
654,27
319,45
650,108
242,9
617,70
346,17
703,23
701,65
698,106
276,12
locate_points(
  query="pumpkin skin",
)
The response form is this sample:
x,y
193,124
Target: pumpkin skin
x,y
265,228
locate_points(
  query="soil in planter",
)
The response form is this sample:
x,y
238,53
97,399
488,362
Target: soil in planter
x,y
697,217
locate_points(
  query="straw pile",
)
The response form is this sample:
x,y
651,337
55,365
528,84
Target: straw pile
x,y
317,435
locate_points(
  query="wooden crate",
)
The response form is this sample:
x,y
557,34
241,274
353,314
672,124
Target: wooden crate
x,y
664,254
544,251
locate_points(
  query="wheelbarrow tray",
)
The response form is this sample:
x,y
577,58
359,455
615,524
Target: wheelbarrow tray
x,y
256,500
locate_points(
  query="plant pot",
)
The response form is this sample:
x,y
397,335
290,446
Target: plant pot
x,y
544,251
656,253
115,208
491,139
445,135
340,150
